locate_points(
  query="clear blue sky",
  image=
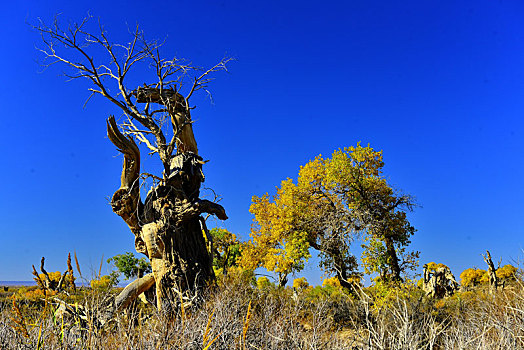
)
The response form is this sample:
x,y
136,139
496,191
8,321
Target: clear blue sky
x,y
438,86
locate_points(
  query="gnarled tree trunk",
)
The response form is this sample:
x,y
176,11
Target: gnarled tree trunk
x,y
168,227
439,283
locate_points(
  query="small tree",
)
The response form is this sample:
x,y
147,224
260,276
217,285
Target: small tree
x,y
472,277
226,249
507,273
130,266
263,282
300,283
167,226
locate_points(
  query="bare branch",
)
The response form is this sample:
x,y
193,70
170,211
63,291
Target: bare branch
x,y
203,80
139,134
90,54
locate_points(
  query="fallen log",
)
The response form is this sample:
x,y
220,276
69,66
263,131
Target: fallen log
x,y
110,308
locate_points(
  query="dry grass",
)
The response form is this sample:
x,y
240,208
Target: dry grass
x,y
239,316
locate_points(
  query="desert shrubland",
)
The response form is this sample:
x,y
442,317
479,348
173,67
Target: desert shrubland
x,y
241,313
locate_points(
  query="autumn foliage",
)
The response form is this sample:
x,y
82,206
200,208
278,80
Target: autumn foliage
x,y
473,277
333,202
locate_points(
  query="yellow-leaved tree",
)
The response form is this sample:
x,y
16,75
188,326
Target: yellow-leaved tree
x,y
333,201
507,272
300,283
473,277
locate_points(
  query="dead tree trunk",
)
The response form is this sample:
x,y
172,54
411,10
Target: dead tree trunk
x,y
168,227
494,282
439,283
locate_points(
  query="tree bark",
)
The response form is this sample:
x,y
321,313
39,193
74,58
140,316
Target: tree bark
x,y
282,279
167,226
48,284
439,283
342,269
494,282
343,279
180,117
393,260
133,290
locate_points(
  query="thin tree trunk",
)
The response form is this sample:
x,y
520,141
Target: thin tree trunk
x,y
342,271
393,260
282,279
494,282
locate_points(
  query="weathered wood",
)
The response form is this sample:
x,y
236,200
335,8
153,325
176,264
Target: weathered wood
x,y
494,282
188,210
38,280
48,284
133,290
167,226
126,200
61,282
179,112
185,140
165,97
440,283
126,145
